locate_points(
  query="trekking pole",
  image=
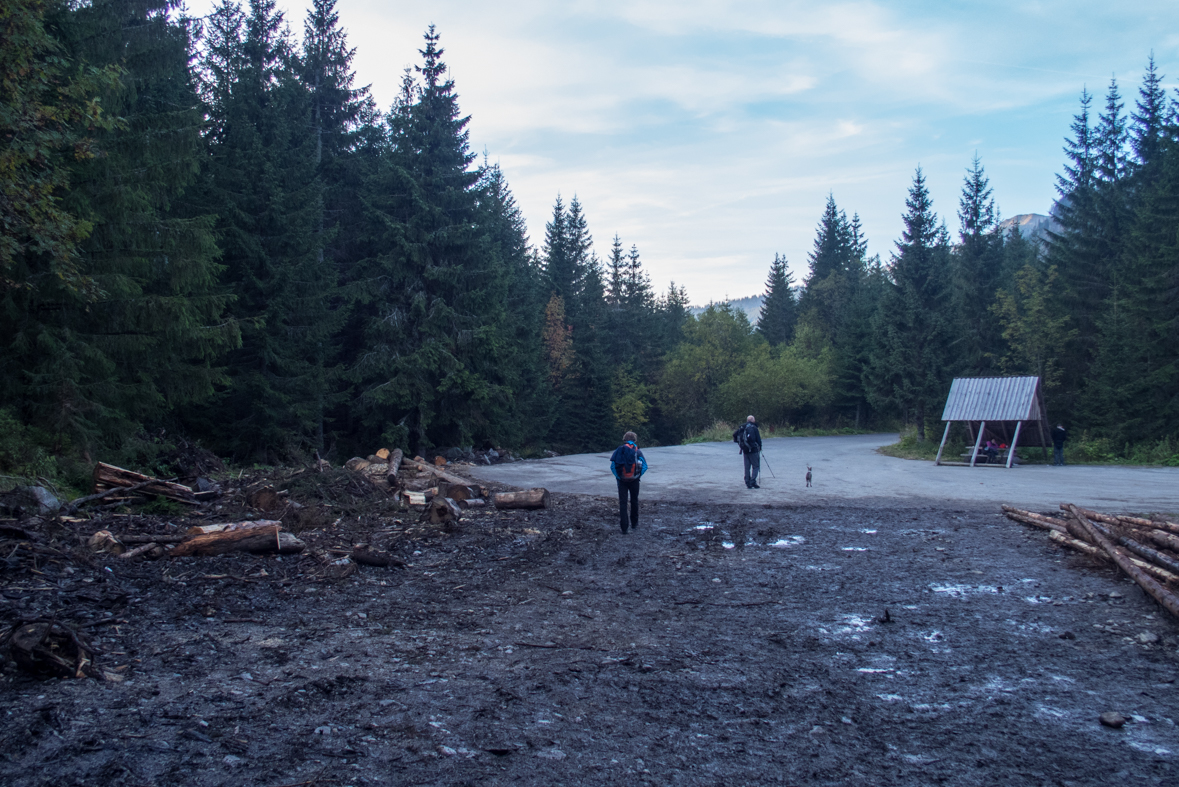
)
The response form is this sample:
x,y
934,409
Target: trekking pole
x,y
767,464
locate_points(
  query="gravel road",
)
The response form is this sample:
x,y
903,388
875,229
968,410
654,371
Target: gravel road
x,y
847,469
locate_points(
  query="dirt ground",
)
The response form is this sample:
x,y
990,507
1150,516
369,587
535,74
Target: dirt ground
x,y
714,645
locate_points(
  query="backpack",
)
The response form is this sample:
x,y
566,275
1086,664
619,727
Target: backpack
x,y
741,438
628,462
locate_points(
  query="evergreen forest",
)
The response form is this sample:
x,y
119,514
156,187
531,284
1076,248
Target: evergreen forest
x,y
211,232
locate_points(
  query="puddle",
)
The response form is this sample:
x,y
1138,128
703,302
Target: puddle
x,y
855,549
789,541
728,544
961,591
854,624
869,532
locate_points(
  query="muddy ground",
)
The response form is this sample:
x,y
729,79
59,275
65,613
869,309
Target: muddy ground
x,y
714,645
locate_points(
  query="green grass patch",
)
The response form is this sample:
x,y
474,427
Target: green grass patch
x,y
1082,450
910,448
719,432
722,432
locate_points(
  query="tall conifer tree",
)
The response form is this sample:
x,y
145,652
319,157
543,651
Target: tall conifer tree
x,y
778,313
136,340
910,365
977,263
433,371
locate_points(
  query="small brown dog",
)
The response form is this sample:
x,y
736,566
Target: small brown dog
x,y
808,475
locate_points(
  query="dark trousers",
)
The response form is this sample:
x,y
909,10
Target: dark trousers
x,y
752,467
628,487
1058,455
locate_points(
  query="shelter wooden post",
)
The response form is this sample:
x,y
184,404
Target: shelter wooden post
x,y
1040,423
982,427
1014,442
942,447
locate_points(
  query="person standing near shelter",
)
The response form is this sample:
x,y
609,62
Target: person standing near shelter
x,y
748,438
1059,435
628,464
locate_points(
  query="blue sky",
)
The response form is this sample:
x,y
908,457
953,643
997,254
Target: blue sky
x,y
709,134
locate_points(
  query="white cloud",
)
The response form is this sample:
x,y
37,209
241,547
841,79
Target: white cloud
x,y
710,133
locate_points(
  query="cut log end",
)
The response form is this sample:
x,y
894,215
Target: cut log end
x,y
526,499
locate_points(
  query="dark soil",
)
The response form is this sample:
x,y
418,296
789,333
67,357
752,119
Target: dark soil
x,y
714,645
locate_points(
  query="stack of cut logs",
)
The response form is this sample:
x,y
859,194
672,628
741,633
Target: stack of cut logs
x,y
443,495
1146,549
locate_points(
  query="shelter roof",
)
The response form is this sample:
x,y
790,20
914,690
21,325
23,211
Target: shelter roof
x,y
993,399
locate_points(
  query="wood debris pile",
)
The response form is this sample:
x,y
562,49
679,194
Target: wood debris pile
x,y
442,495
257,536
1145,549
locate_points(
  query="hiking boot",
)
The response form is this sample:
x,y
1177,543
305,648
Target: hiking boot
x,y
755,486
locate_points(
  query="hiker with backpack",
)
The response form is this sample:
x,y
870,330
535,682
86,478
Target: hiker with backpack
x,y
748,439
628,464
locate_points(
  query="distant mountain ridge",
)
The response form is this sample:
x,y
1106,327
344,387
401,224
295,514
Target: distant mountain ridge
x,y
1032,226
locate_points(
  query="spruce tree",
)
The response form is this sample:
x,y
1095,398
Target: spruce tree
x,y
910,364
556,254
1133,383
778,313
835,265
615,273
134,338
1149,123
264,183
432,372
977,263
530,401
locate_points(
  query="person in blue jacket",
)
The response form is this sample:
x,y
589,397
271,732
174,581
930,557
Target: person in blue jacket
x,y
628,464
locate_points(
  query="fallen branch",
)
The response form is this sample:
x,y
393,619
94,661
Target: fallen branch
x,y
81,501
146,549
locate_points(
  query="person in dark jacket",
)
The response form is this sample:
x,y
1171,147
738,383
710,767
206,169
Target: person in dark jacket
x,y
748,438
1059,435
628,464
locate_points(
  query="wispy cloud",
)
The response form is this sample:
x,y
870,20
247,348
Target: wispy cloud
x,y
710,133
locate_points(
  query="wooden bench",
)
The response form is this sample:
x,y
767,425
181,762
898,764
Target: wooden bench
x,y
1000,457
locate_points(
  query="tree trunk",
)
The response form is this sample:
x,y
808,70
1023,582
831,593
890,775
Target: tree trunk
x,y
1038,520
1168,600
260,536
529,499
1099,554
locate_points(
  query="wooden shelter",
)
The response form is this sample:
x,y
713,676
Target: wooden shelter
x,y
1000,407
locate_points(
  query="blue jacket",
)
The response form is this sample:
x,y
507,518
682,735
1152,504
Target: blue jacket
x,y
616,459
